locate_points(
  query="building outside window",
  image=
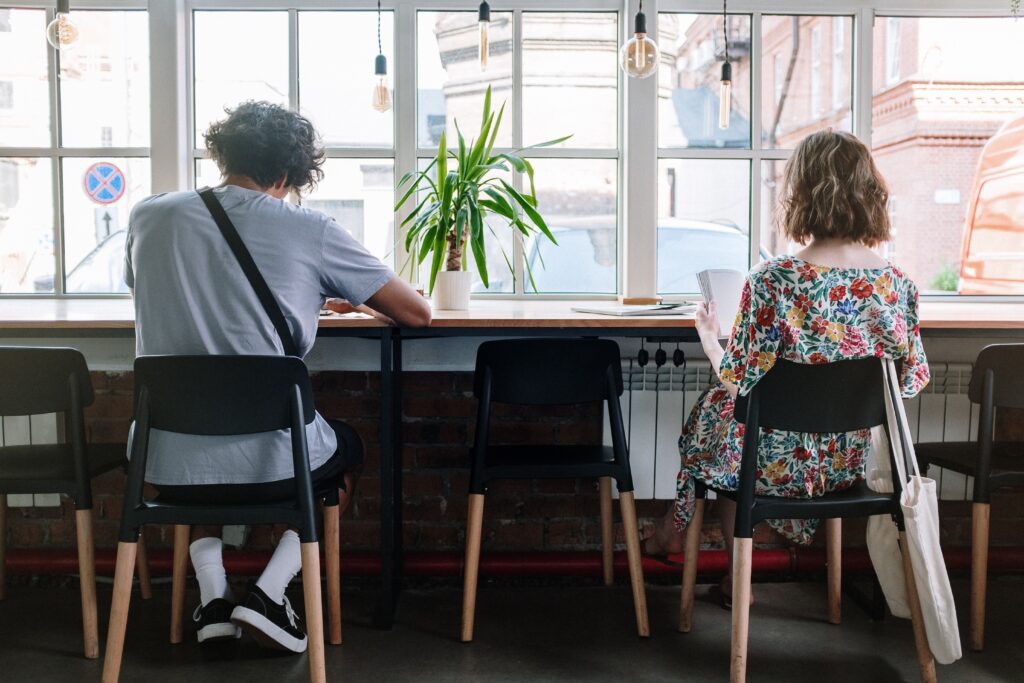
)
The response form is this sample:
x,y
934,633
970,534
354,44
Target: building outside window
x,y
893,46
840,89
816,107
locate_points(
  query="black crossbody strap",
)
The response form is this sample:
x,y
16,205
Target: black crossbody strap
x,y
252,272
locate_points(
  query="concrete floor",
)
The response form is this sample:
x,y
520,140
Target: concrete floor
x,y
524,633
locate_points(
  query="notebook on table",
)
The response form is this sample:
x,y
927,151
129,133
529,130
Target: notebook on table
x,y
724,287
628,310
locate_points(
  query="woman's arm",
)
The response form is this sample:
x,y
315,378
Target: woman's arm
x,y
707,328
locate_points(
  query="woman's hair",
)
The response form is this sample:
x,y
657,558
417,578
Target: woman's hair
x,y
832,190
266,142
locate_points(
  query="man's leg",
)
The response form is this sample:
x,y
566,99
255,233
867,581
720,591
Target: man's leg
x,y
265,613
206,550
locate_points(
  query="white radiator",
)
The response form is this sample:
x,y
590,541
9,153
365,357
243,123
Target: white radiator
x,y
23,430
657,401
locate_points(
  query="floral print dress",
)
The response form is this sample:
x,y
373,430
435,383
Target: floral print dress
x,y
804,313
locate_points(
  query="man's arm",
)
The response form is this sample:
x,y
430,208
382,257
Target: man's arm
x,y
401,303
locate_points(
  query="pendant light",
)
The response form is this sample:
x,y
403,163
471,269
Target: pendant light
x,y
639,56
725,90
61,33
381,91
484,19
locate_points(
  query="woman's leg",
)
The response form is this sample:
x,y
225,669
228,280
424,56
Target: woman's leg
x,y
666,539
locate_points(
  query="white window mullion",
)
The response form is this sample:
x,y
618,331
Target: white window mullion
x,y
518,245
756,124
293,59
863,73
53,73
404,88
640,262
170,123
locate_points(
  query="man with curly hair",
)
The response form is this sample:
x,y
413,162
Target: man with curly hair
x,y
192,297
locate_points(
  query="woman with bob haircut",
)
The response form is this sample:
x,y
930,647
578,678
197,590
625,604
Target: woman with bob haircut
x,y
833,300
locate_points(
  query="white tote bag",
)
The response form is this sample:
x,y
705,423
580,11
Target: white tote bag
x,y
919,502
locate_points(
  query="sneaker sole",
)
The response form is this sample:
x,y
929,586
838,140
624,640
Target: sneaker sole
x,y
265,632
214,632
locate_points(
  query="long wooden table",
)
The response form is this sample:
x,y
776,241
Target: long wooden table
x,y
114,317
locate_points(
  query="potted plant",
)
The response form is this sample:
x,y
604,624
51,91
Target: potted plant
x,y
460,188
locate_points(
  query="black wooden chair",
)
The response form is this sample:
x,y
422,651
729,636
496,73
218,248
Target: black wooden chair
x,y
37,381
545,372
222,395
834,397
997,382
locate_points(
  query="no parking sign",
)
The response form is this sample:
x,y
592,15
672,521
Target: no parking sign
x,y
104,182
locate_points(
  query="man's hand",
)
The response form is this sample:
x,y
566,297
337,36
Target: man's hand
x,y
342,306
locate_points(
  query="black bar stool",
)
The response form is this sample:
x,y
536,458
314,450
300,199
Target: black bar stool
x,y
552,372
221,395
38,381
997,382
835,397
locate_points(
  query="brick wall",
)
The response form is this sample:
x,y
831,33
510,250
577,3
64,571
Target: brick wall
x,y
438,427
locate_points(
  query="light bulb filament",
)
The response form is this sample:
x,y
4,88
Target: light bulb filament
x,y
485,45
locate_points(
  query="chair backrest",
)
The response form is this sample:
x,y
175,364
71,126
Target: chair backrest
x,y
36,380
548,371
1006,361
833,397
222,395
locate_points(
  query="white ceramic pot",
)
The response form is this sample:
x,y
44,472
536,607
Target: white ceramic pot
x,y
451,290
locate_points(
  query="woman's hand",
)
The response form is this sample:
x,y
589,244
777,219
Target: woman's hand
x,y
707,324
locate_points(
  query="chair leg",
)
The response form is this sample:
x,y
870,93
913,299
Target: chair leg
x,y
87,574
314,611
690,566
834,541
924,654
474,530
3,546
742,556
636,571
142,569
332,557
607,530
119,611
979,573
179,573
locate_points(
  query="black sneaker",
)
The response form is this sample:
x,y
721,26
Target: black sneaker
x,y
273,625
214,621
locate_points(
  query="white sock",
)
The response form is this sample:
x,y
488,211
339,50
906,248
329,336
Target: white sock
x,y
208,561
282,568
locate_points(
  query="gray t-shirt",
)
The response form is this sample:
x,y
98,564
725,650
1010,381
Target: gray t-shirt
x,y
191,297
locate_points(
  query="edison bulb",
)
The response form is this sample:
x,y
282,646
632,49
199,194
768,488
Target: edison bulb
x,y
725,97
639,56
61,33
485,45
381,95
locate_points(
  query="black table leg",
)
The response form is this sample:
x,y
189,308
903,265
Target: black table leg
x,y
385,616
397,450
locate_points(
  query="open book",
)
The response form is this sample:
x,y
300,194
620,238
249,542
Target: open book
x,y
626,310
724,287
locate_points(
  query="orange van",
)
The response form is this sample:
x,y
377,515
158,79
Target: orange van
x,y
993,250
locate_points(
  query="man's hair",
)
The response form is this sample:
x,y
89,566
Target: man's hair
x,y
832,189
266,142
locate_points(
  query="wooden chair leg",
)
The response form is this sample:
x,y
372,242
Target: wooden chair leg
x,y
314,611
834,541
123,570
3,547
607,530
142,569
332,558
179,573
87,572
979,573
742,556
690,566
474,531
636,571
924,654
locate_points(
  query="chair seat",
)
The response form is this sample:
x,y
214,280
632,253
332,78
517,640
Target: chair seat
x,y
550,461
856,501
962,456
21,466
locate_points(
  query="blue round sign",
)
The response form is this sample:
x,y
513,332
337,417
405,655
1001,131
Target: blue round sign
x,y
104,183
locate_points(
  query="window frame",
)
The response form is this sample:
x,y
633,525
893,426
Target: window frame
x,y
56,152
172,155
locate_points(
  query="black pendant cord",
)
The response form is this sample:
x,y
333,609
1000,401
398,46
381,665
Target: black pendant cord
x,y
725,28
380,48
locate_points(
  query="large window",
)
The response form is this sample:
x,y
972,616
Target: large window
x,y
74,148
320,63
